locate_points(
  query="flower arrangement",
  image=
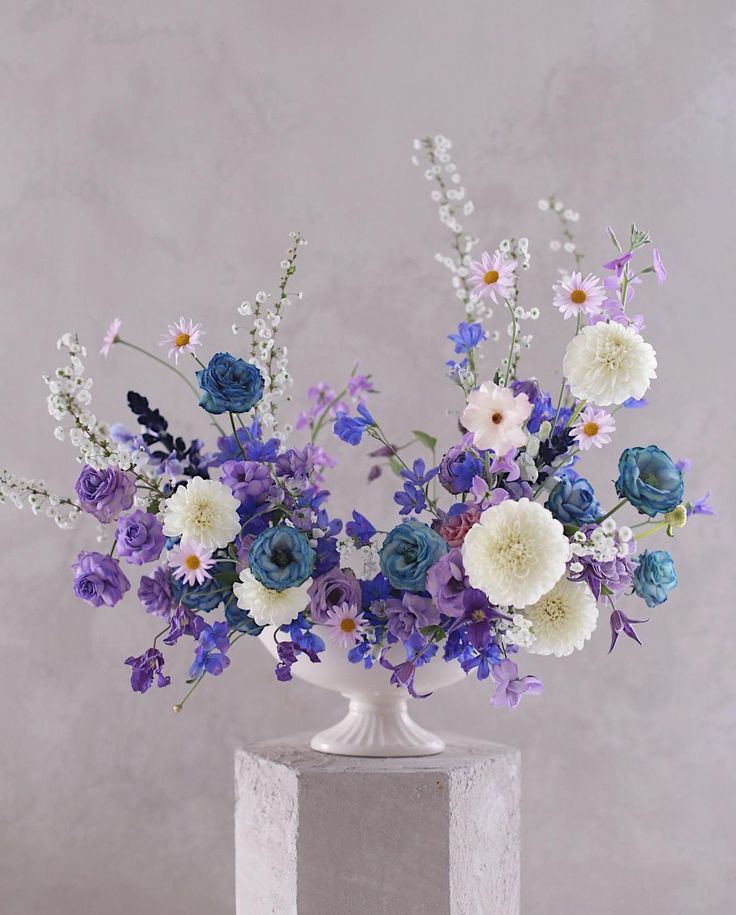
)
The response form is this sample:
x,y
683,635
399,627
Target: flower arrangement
x,y
501,546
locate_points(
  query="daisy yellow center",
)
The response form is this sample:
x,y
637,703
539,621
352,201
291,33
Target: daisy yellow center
x,y
578,296
192,562
182,339
348,624
496,418
591,428
490,277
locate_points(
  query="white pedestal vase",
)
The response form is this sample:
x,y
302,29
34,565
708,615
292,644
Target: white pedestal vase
x,y
378,722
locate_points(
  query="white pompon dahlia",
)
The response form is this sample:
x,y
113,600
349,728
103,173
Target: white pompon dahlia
x,y
607,363
203,511
267,607
563,619
515,553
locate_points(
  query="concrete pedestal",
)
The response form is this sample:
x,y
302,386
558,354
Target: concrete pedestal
x,y
336,835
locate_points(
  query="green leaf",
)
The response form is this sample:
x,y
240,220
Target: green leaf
x,y
395,465
429,441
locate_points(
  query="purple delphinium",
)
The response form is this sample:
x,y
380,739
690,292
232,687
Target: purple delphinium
x,y
145,667
210,654
411,499
446,583
702,507
509,687
333,589
479,614
249,481
99,580
139,537
350,429
154,592
105,493
360,529
411,613
468,337
295,465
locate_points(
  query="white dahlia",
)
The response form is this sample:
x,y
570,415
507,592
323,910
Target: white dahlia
x,y
607,363
563,619
204,512
267,607
515,553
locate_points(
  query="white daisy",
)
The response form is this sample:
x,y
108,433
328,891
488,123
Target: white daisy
x,y
182,337
492,275
496,417
593,428
204,511
267,607
191,562
563,619
515,553
575,295
112,336
347,624
607,363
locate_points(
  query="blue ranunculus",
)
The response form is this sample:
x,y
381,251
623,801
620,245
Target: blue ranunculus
x,y
458,468
574,502
281,558
654,576
408,552
649,480
229,385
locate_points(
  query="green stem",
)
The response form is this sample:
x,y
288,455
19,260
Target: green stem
x,y
653,530
577,411
180,705
235,433
614,509
323,417
513,342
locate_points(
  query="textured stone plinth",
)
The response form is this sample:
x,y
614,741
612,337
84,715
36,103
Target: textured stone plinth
x,y
335,835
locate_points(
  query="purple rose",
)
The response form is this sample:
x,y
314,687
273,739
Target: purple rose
x,y
446,583
333,589
154,592
99,580
250,481
458,468
139,537
105,493
411,613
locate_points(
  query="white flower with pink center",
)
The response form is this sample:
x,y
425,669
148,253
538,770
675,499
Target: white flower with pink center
x,y
575,296
182,337
191,562
496,418
593,428
111,336
347,624
493,275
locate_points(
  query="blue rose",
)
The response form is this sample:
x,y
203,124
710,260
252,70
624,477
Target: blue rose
x,y
649,480
654,576
281,558
574,502
408,552
458,468
229,385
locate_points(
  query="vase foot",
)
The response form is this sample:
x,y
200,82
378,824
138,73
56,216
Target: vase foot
x,y
377,727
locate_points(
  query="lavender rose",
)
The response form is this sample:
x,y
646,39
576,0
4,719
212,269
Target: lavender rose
x,y
446,583
99,580
411,613
139,537
154,592
105,493
331,590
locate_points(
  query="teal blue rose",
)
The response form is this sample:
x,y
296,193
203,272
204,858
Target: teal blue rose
x,y
409,550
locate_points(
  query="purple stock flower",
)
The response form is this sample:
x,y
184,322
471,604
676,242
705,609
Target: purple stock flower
x,y
145,667
411,613
446,583
296,465
509,688
105,493
154,592
615,575
250,481
139,537
359,385
658,267
333,589
505,463
620,622
99,580
210,655
618,263
184,622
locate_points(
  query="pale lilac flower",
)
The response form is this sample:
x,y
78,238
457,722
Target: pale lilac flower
x,y
509,687
493,275
358,386
347,624
191,562
575,296
111,336
505,463
182,337
593,428
659,267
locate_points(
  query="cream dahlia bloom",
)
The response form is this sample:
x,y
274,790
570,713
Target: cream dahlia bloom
x,y
496,417
563,619
204,512
515,553
267,607
607,363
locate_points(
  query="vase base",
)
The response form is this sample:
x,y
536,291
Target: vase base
x,y
377,728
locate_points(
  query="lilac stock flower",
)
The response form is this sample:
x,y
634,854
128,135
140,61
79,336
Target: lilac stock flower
x,y
250,481
446,583
105,493
411,499
620,622
485,497
358,386
360,529
210,655
509,688
145,668
184,622
468,337
139,537
294,464
505,463
154,592
411,613
458,468
618,263
331,590
658,267
98,579
702,507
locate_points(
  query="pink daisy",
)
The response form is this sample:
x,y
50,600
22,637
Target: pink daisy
x,y
346,624
191,562
111,336
493,275
182,337
575,295
593,428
